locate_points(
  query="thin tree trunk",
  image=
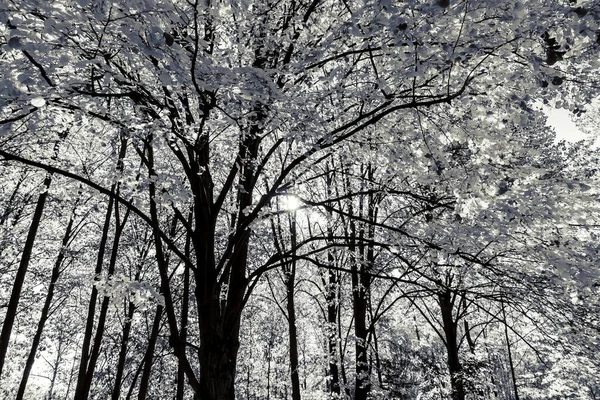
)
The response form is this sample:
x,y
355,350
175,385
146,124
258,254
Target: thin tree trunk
x,y
162,264
86,372
125,339
445,299
11,203
332,299
248,380
332,332
55,368
290,280
184,318
510,358
80,388
377,358
269,374
360,295
71,373
343,376
136,375
103,311
123,352
362,385
183,335
15,295
149,358
46,309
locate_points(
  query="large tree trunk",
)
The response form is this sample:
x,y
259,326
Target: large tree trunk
x,y
219,320
218,351
219,327
15,295
46,309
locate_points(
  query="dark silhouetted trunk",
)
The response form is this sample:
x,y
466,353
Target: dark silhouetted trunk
x,y
363,252
184,321
332,332
149,358
510,358
218,348
123,352
125,338
104,307
57,363
80,388
363,384
46,309
332,299
88,360
290,281
446,301
15,295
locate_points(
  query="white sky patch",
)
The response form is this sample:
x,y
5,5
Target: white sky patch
x,y
560,119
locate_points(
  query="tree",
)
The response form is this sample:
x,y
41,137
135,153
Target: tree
x,y
227,106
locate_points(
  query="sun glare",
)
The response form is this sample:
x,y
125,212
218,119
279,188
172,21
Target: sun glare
x,y
290,202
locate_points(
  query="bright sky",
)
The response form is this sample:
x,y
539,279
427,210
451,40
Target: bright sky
x,y
560,119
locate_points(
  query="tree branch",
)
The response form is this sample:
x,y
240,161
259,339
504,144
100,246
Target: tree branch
x,y
87,182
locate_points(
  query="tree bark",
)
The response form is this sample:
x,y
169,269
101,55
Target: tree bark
x,y
57,363
359,303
